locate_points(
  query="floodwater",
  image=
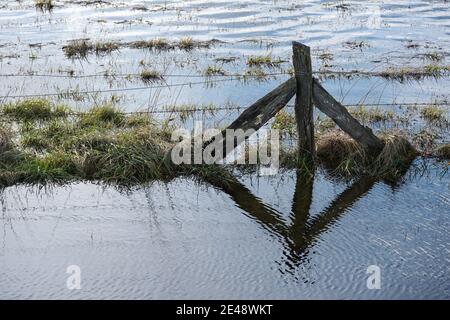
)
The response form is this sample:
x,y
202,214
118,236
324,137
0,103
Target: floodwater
x,y
343,35
273,237
264,237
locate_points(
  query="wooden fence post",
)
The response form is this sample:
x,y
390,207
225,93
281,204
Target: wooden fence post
x,y
304,100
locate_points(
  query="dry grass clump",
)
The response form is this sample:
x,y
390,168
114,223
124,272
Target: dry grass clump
x,y
106,47
5,140
44,5
78,49
433,113
148,76
368,115
186,43
100,144
397,154
339,152
444,152
409,73
81,48
213,71
263,60
34,109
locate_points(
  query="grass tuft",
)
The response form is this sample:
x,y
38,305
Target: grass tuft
x,y
78,49
407,73
214,70
149,76
44,5
432,113
186,43
263,60
35,109
345,157
444,152
159,44
396,155
371,115
5,140
285,122
105,115
338,151
104,48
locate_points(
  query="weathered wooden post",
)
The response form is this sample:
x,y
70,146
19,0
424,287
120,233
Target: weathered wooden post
x,y
257,115
307,90
363,135
304,100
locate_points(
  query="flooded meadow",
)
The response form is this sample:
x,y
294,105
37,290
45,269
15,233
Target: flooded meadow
x,y
281,236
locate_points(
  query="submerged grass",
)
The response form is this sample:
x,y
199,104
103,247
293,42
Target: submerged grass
x,y
255,73
371,115
103,48
154,44
44,5
149,76
433,113
162,44
80,49
263,60
214,70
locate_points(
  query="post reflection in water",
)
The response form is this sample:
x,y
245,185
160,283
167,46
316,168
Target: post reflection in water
x,y
228,242
302,233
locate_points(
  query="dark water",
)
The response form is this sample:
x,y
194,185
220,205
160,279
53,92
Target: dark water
x,y
272,237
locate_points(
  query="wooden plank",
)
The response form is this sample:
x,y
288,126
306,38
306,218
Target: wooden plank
x,y
257,115
336,111
304,100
